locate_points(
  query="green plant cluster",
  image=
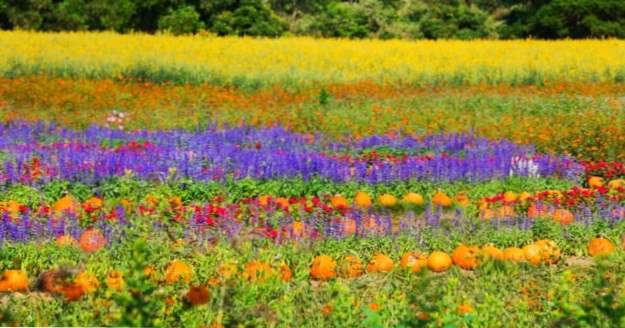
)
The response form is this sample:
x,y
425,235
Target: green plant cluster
x,y
236,190
412,19
577,292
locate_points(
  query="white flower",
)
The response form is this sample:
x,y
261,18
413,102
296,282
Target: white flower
x,y
524,166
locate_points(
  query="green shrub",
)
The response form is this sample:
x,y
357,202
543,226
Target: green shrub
x,y
184,20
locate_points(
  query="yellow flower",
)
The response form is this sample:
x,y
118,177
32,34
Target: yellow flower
x,y
88,281
115,280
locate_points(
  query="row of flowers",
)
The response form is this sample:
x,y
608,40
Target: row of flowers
x,y
37,153
310,217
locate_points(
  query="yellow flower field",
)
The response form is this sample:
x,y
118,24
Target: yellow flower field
x,y
306,61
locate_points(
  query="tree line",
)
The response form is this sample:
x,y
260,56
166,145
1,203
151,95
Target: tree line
x,y
386,19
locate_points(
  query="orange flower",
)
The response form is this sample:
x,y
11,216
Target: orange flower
x,y
257,271
88,281
92,204
465,308
326,309
595,182
285,272
65,240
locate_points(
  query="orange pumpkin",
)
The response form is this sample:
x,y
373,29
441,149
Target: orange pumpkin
x,y
362,200
92,240
439,261
257,271
563,216
351,267
413,198
198,295
339,202
466,257
514,254
178,270
490,251
549,250
323,268
13,280
387,200
380,263
600,246
441,199
115,280
88,281
414,261
65,204
533,254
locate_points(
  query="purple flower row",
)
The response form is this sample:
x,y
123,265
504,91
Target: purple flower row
x,y
35,153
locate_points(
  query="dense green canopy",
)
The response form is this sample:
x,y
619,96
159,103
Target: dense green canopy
x,y
412,19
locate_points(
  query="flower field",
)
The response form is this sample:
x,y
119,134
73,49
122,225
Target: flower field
x,y
236,182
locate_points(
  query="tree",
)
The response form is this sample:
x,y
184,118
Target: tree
x,y
184,20
567,19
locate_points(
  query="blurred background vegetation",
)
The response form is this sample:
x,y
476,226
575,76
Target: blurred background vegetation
x,y
406,19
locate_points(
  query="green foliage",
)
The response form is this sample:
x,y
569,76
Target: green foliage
x,y
251,17
344,20
455,19
184,20
567,19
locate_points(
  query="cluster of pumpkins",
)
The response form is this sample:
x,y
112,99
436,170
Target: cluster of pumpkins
x,y
59,281
323,267
363,200
543,251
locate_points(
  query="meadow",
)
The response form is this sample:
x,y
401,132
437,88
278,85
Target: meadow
x,y
195,181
